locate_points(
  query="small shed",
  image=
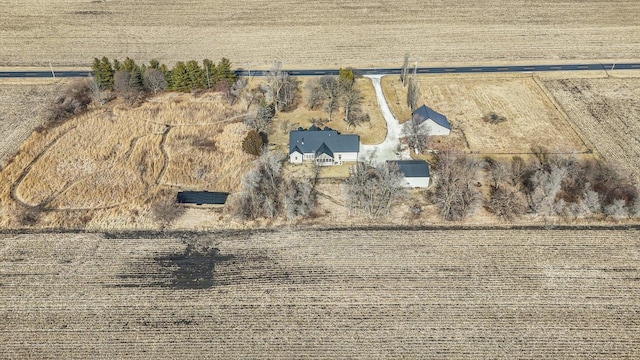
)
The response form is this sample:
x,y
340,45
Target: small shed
x,y
202,197
437,123
416,172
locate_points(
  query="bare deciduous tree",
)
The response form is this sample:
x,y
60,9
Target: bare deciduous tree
x,y
261,189
299,199
165,209
282,88
416,135
314,95
154,81
351,100
404,71
373,190
413,94
126,86
455,192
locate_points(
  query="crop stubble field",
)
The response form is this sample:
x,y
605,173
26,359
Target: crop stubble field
x,y
323,294
254,33
606,111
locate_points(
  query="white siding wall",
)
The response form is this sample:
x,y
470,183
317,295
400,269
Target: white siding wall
x,y
295,158
435,129
346,156
420,182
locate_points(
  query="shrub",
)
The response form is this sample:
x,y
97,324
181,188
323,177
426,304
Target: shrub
x,y
493,118
165,209
252,143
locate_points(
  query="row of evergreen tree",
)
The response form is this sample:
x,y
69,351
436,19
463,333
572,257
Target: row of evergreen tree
x,y
184,77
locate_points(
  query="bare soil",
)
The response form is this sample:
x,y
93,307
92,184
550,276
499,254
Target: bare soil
x,y
480,293
253,33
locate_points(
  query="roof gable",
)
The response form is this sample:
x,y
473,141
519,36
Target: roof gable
x,y
424,113
412,168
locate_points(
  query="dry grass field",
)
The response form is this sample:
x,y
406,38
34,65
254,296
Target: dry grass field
x,y
499,294
531,116
607,112
116,159
21,110
320,33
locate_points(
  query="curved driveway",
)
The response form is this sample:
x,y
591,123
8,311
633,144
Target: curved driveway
x,y
386,150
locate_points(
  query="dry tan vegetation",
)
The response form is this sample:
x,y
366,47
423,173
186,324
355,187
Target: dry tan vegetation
x,y
497,294
607,112
118,157
372,132
531,116
301,33
22,109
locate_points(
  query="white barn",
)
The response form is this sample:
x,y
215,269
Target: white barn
x,y
415,172
437,123
326,147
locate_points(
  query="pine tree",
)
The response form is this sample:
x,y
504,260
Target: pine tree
x,y
196,76
224,71
103,73
134,71
116,65
210,73
154,64
179,77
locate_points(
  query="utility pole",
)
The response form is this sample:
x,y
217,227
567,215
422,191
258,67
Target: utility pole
x,y
52,73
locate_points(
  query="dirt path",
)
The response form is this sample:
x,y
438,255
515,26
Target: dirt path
x,y
388,149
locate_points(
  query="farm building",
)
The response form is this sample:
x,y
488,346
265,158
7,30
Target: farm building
x,y
437,123
415,172
202,197
324,146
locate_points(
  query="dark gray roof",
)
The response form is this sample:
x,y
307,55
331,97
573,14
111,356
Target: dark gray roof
x,y
202,197
424,113
310,141
412,168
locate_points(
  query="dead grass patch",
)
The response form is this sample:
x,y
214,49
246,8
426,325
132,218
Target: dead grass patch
x,y
531,116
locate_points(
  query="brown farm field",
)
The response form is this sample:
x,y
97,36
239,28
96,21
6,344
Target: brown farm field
x,y
254,33
607,111
22,108
500,294
532,118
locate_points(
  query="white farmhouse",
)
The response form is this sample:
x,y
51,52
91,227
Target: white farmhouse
x,y
326,147
415,172
436,122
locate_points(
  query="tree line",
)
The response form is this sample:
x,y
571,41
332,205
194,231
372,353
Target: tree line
x,y
128,78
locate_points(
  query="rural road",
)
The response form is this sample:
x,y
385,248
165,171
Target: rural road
x,y
374,71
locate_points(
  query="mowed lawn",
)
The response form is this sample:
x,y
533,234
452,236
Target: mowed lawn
x,y
530,293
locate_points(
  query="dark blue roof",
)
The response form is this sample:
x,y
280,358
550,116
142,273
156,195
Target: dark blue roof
x,y
424,113
308,142
412,168
202,197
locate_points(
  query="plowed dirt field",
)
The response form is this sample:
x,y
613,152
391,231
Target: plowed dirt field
x,y
530,293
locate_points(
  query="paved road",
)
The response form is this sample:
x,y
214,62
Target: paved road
x,y
374,71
